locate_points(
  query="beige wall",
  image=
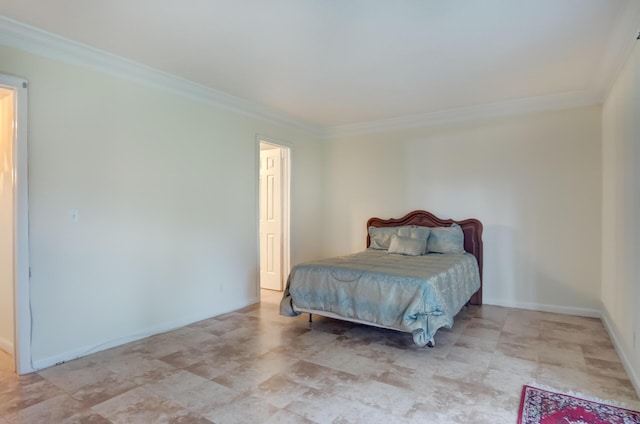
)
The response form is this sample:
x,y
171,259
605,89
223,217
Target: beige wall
x,y
167,193
6,222
534,182
620,212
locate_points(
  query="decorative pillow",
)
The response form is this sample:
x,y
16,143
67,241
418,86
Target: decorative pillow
x,y
446,239
381,237
407,245
414,232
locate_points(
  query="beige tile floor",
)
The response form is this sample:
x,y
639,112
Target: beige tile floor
x,y
254,366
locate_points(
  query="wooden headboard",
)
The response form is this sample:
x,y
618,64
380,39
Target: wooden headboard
x,y
472,229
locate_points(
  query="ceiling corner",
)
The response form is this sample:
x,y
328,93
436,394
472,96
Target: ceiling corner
x,y
618,48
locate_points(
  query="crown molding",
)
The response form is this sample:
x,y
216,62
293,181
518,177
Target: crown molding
x,y
471,113
33,40
23,37
618,49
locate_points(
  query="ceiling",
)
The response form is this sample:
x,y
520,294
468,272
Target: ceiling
x,y
336,63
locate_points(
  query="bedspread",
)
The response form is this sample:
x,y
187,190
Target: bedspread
x,y
415,294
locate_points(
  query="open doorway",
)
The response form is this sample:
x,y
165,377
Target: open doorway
x,y
15,317
274,216
7,310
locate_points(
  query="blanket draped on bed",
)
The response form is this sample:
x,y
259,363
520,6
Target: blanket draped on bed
x,y
415,294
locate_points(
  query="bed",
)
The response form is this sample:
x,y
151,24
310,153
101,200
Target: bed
x,y
393,284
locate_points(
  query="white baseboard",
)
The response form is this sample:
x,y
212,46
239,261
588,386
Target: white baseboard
x,y
7,346
70,355
558,309
616,338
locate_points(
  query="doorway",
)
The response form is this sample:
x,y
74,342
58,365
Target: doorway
x,y
7,310
274,215
15,316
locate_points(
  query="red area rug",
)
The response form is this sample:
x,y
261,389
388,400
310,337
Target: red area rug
x,y
538,406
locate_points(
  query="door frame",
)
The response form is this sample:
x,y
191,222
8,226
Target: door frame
x,y
286,204
22,291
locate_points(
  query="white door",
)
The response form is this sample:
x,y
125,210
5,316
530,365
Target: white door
x,y
271,219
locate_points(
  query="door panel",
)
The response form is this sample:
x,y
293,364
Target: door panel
x,y
271,219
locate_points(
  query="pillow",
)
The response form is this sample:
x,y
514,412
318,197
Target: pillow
x,y
414,232
407,245
446,239
381,237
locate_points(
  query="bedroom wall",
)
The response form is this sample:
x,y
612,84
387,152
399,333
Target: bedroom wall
x,y
620,211
166,189
534,181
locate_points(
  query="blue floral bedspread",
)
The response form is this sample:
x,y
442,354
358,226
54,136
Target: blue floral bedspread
x,y
414,294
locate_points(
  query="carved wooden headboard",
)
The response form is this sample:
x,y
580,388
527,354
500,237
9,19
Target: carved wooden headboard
x,y
472,229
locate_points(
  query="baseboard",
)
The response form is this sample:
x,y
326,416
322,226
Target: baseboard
x,y
7,346
558,309
70,355
616,338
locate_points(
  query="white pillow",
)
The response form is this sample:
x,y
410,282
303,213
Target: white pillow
x,y
407,245
446,239
414,232
381,237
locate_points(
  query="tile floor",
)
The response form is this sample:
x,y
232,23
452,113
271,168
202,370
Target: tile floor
x,y
254,366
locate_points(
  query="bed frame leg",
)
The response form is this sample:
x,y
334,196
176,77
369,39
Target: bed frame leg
x,y
310,318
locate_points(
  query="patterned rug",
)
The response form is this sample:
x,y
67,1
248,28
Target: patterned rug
x,y
538,406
